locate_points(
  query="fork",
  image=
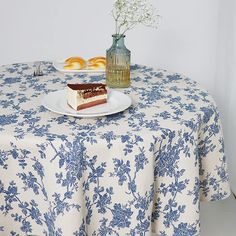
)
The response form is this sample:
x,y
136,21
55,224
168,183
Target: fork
x,y
37,69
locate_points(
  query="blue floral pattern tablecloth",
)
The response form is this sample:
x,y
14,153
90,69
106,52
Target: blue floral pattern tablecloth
x,y
139,171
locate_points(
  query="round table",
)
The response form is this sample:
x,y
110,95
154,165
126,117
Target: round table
x,y
132,173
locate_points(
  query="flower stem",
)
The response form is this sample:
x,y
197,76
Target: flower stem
x,y
116,27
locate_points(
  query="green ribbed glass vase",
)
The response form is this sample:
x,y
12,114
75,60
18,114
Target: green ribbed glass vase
x,y
118,63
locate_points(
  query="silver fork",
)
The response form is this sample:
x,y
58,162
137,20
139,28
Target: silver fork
x,y
37,69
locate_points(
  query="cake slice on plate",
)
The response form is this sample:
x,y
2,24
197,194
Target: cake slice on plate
x,y
81,96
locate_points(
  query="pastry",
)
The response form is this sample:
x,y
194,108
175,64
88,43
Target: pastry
x,y
78,63
97,63
75,59
96,59
75,63
73,66
81,96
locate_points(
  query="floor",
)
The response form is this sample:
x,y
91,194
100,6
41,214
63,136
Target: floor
x,y
218,218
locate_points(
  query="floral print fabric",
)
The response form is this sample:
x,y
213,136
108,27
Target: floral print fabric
x,y
132,173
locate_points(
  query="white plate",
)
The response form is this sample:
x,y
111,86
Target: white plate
x,y
59,65
117,102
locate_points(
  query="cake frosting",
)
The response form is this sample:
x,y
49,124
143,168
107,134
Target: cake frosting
x,y
81,96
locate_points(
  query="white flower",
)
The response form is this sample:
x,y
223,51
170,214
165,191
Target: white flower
x,y
129,13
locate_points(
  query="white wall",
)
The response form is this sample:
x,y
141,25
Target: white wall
x,y
52,29
186,40
225,80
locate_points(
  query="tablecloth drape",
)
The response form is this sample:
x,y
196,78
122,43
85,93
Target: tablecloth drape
x,y
142,170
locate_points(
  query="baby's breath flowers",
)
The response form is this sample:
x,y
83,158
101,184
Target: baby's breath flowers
x,y
130,13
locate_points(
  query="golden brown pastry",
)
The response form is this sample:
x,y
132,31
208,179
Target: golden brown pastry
x,y
75,59
97,63
75,63
73,66
97,66
78,63
96,59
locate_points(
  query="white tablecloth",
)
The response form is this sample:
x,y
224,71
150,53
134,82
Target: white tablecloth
x,y
131,173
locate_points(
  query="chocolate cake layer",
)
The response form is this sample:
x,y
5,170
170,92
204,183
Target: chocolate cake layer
x,y
90,86
89,94
91,104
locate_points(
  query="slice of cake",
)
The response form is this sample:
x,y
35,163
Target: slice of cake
x,y
81,96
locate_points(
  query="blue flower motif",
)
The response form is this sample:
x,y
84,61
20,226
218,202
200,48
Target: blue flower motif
x,y
7,119
121,216
11,80
38,168
26,227
184,229
121,170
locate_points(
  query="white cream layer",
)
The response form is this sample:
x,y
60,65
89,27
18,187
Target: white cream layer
x,y
74,99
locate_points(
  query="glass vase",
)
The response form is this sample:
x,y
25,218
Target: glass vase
x,y
118,63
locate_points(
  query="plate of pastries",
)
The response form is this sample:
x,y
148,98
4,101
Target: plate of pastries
x,y
78,64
